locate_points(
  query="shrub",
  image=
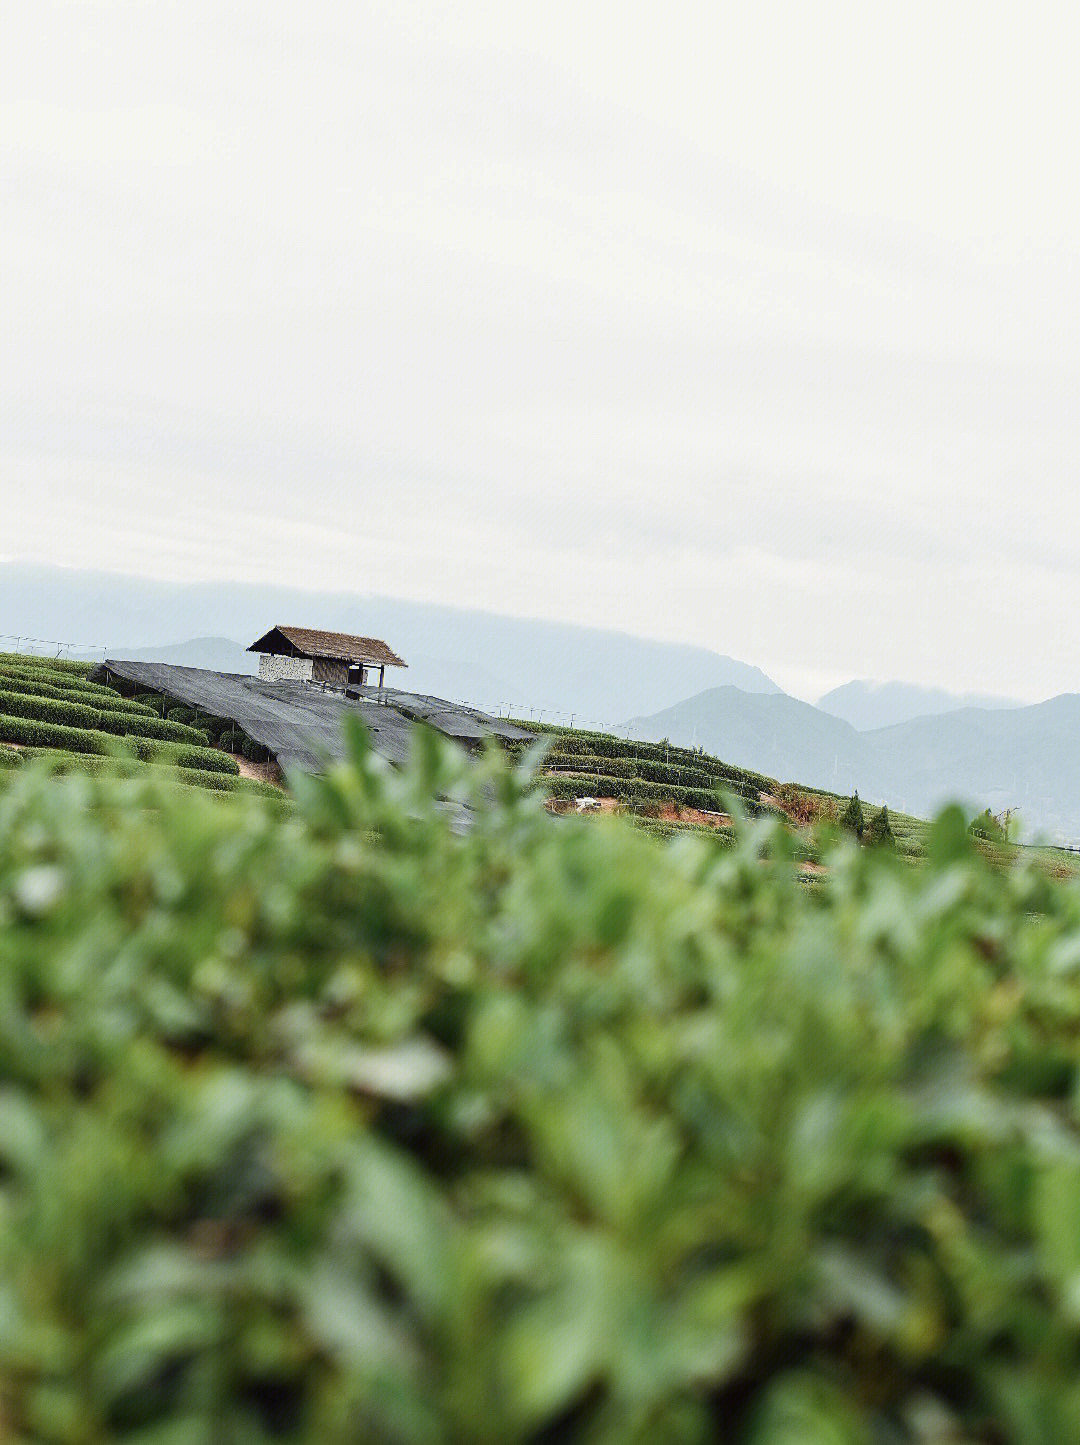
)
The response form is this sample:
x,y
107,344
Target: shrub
x,y
566,740
629,767
206,759
213,726
355,1128
47,664
30,733
805,806
33,733
69,688
636,792
121,721
62,763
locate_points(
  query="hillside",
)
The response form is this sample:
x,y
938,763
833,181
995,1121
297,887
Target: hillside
x,y
50,708
1023,757
1027,758
868,705
775,734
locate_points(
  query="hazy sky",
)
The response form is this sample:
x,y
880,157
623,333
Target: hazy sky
x,y
744,325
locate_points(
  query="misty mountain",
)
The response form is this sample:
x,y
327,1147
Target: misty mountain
x,y
494,661
774,734
1022,757
219,654
867,705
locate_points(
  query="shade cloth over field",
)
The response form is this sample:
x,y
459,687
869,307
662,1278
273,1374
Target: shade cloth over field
x,y
301,724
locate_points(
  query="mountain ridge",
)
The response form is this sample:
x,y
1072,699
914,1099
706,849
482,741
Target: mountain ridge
x,y
1024,757
492,659
868,705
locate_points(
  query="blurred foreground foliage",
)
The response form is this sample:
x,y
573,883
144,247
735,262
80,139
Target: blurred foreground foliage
x,y
341,1125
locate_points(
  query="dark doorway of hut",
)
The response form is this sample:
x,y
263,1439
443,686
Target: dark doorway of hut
x,y
358,676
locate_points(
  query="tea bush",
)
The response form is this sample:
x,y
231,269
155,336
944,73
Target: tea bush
x,y
84,692
632,791
121,721
29,732
351,1125
63,665
636,767
571,740
66,762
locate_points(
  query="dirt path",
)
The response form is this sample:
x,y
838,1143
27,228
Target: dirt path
x,y
261,772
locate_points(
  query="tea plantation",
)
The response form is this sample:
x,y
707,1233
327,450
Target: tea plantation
x,y
667,789
336,1125
49,707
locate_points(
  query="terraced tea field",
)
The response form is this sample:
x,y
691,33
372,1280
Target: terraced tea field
x,y
49,706
669,790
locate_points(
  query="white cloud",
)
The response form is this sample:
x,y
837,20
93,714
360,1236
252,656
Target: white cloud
x,y
754,327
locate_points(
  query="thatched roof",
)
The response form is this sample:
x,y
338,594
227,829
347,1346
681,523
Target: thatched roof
x,y
342,646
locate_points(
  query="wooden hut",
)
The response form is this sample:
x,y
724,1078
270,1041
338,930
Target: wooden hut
x,y
305,654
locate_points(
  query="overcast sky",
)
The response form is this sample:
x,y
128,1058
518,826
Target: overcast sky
x,y
744,325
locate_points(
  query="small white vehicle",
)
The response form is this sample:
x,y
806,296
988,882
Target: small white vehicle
x,y
588,805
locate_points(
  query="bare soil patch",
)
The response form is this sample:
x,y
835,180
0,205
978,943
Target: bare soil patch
x,y
261,772
675,814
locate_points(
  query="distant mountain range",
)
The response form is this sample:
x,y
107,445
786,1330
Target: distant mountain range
x,y
867,705
1022,757
913,746
496,662
218,654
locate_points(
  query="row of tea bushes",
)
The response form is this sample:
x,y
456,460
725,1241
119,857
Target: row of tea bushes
x,y
30,733
635,792
629,767
63,763
121,721
62,665
568,740
54,685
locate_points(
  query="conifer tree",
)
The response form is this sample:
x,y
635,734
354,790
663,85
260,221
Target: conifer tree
x,y
852,818
880,831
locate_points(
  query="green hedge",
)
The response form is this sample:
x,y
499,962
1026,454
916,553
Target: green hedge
x,y
635,792
214,726
47,664
70,762
577,741
71,714
34,733
88,695
75,689
352,1128
630,767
